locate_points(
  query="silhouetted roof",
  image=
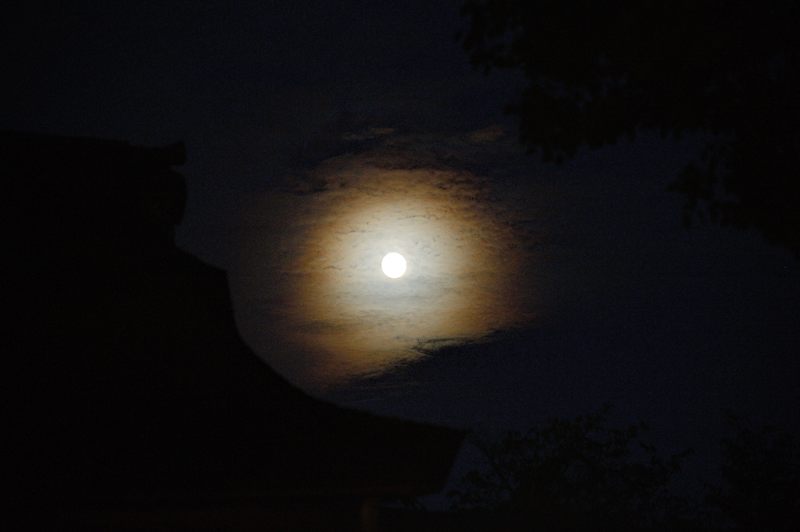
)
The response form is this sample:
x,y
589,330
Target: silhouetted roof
x,y
131,379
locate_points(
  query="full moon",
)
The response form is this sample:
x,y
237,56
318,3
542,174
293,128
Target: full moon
x,y
393,265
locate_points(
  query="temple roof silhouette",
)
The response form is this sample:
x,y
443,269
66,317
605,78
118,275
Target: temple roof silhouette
x,y
129,378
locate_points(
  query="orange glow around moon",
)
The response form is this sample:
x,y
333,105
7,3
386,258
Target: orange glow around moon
x,y
313,296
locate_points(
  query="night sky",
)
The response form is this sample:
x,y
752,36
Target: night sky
x,y
321,135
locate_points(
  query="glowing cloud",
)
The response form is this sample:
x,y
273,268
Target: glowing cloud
x,y
309,282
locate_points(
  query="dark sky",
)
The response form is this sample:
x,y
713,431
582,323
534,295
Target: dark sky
x,y
671,325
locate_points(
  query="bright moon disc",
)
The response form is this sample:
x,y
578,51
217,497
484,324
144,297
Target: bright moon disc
x,y
393,265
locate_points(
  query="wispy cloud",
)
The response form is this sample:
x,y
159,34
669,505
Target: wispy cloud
x,y
315,247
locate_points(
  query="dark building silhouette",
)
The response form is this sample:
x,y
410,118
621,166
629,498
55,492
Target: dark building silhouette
x,y
134,402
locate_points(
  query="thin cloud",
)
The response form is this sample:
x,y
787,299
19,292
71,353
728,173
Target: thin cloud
x,y
466,251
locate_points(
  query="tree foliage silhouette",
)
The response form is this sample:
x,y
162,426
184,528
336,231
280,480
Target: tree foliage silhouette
x,y
726,70
577,474
761,480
